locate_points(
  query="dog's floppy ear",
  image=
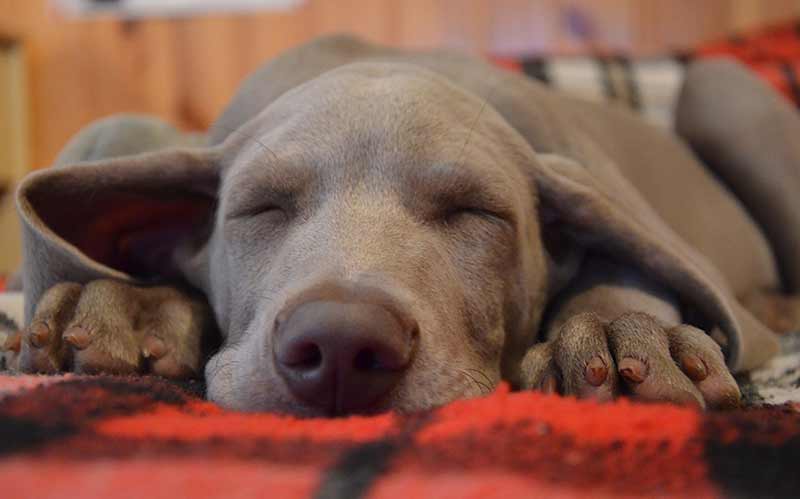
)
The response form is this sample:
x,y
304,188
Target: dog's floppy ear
x,y
118,218
602,211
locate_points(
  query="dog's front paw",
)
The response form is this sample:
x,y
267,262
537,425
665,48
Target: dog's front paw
x,y
112,327
633,355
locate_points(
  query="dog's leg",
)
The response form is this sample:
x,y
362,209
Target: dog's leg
x,y
748,135
107,326
614,332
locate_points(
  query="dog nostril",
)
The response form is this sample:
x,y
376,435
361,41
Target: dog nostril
x,y
305,357
366,360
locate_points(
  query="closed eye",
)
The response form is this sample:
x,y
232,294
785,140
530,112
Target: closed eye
x,y
453,215
268,209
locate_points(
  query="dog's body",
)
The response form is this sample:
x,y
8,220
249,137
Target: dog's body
x,y
385,229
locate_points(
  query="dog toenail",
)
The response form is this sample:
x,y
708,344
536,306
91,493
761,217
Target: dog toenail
x,y
596,371
77,337
13,343
549,385
694,367
154,347
633,370
39,335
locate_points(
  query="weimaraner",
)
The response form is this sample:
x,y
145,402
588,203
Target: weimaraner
x,y
367,229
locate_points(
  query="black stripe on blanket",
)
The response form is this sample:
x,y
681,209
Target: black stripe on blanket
x,y
754,454
536,68
631,85
20,434
66,407
357,470
791,78
7,323
609,89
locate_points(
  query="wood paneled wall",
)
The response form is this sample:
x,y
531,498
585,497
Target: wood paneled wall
x,y
186,69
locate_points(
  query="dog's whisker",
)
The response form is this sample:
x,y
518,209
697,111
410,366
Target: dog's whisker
x,y
477,120
485,389
483,375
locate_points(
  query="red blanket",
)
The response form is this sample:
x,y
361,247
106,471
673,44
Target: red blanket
x,y
102,437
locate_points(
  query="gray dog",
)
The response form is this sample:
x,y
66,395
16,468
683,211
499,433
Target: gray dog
x,y
375,229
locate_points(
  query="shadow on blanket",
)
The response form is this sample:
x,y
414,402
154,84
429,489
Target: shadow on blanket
x,y
99,437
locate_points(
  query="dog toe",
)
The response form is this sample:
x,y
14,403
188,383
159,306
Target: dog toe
x,y
41,347
641,346
537,370
701,359
583,359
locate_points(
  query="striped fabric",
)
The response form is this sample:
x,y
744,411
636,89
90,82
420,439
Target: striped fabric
x,y
649,86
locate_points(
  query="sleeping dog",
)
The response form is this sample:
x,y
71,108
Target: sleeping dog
x,y
368,229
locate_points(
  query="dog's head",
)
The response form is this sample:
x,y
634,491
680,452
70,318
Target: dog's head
x,y
376,238
375,246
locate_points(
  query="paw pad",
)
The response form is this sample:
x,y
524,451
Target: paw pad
x,y
596,371
77,337
550,385
694,367
39,335
633,370
154,347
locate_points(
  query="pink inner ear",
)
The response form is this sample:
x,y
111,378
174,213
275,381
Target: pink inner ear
x,y
134,233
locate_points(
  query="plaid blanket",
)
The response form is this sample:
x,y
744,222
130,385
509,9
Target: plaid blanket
x,y
101,437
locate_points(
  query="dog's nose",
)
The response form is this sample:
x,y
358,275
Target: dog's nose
x,y
342,357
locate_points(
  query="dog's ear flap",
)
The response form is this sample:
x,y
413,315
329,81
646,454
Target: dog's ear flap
x,y
601,211
118,218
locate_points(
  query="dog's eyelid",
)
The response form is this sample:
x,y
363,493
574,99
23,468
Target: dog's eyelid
x,y
475,202
452,214
251,212
266,203
495,215
256,200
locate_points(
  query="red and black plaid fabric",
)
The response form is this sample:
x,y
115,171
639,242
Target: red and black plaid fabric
x,y
103,437
773,53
